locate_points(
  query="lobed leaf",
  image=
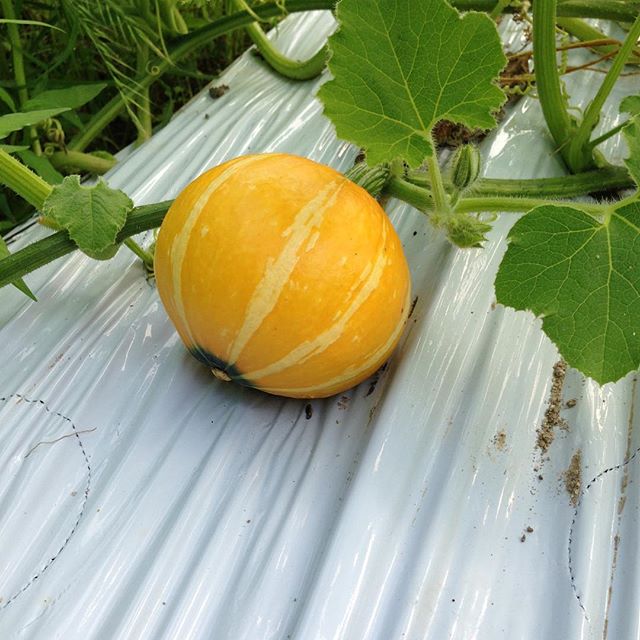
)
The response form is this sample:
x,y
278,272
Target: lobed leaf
x,y
582,277
92,215
400,67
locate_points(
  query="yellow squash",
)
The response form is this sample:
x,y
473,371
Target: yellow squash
x,y
281,274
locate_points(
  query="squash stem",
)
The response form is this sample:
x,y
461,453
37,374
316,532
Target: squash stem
x,y
620,10
145,256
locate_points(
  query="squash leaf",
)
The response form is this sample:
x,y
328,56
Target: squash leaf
x,y
400,67
92,215
580,275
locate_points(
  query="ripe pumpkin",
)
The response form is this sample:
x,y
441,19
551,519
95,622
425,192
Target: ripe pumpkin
x,y
283,275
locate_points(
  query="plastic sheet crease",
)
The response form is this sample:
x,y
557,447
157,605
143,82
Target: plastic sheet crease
x,y
140,498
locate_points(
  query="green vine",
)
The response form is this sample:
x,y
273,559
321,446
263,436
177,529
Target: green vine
x,y
292,69
550,92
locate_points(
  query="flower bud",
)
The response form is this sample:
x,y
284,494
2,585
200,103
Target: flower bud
x,y
372,179
465,166
466,231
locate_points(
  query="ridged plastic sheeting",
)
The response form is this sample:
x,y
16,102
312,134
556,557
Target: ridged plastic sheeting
x,y
142,499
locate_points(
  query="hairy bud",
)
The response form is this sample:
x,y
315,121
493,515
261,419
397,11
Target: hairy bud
x,y
465,166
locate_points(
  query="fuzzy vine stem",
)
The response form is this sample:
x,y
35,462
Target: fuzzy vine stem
x,y
292,69
579,148
521,205
421,199
570,186
552,100
440,198
23,181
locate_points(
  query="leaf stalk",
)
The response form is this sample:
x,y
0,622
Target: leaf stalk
x,y
552,100
292,69
438,193
23,181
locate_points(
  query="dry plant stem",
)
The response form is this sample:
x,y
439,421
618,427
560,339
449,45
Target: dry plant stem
x,y
580,141
593,38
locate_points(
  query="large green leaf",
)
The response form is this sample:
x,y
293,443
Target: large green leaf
x,y
92,215
16,121
582,277
399,67
67,98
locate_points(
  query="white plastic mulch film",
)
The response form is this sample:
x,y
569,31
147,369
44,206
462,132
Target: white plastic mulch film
x,y
142,499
